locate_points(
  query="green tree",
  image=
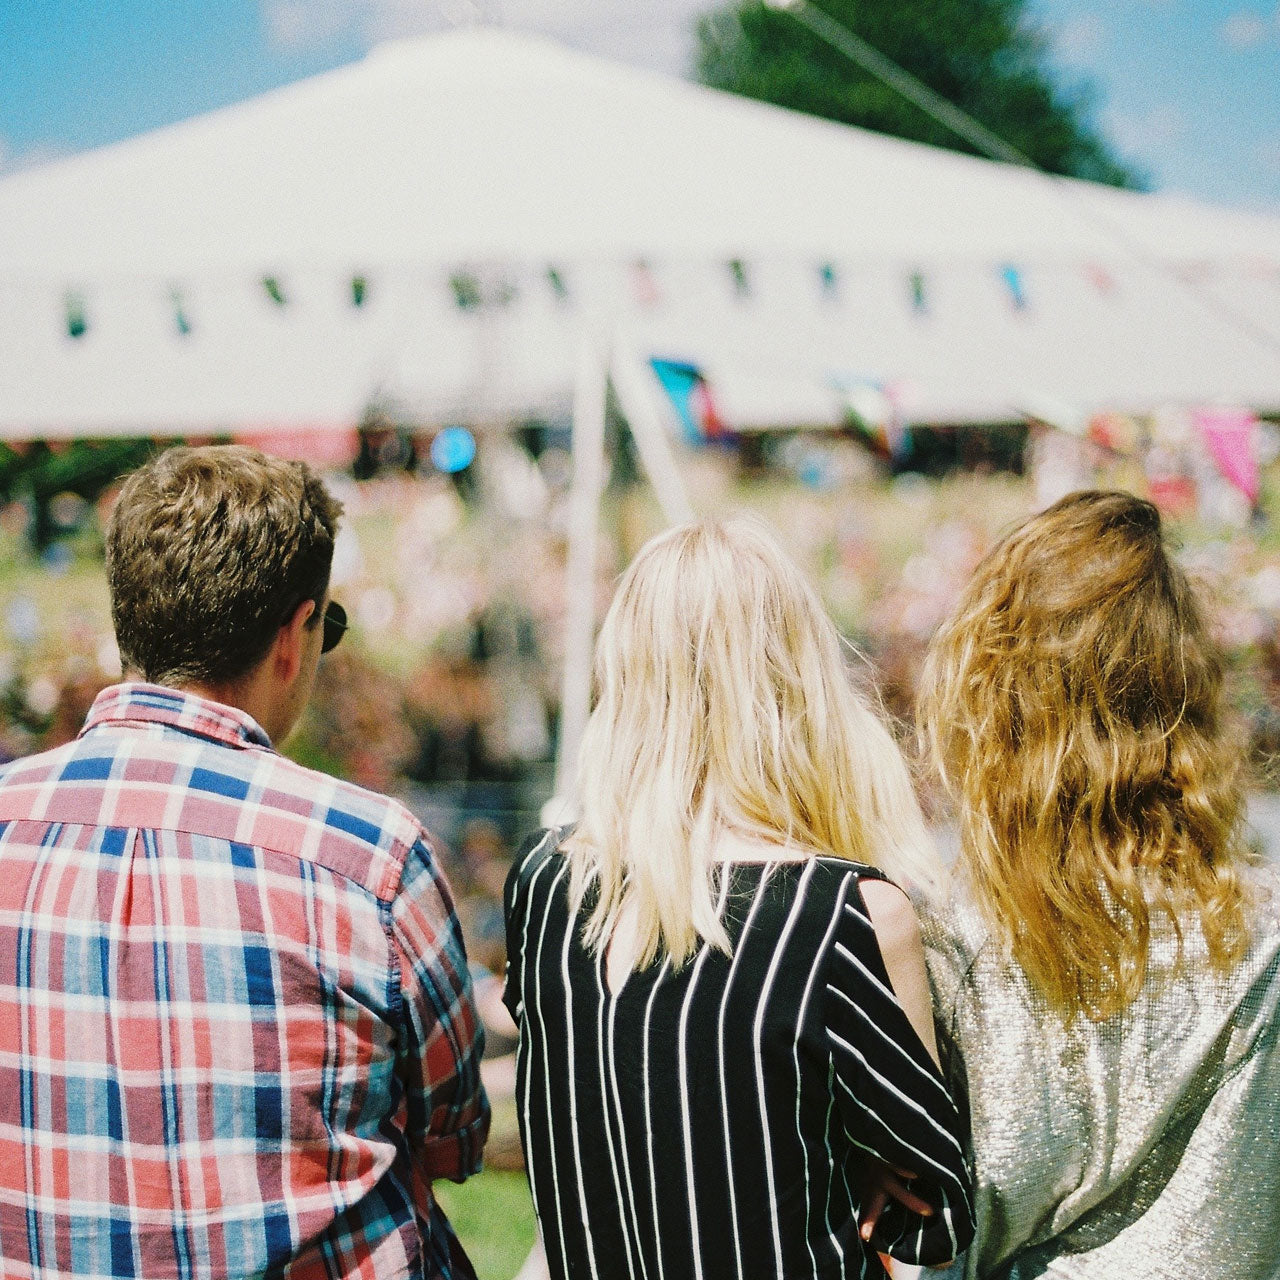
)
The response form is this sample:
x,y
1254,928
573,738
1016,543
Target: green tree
x,y
985,56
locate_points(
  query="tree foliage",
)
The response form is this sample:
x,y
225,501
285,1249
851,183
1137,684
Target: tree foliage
x,y
34,473
985,56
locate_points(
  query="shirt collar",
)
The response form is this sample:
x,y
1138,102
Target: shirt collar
x,y
135,703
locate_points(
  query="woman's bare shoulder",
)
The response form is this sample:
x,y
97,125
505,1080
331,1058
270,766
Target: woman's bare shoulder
x,y
898,937
891,912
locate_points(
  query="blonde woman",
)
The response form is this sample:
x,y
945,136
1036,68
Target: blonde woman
x,y
726,1045
1108,979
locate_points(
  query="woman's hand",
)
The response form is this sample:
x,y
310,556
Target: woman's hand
x,y
881,1183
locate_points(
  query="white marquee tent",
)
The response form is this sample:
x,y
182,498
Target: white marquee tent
x,y
555,194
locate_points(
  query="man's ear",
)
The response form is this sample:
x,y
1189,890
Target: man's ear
x,y
291,643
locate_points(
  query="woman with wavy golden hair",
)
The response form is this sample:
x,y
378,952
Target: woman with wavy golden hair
x,y
1106,982
726,1044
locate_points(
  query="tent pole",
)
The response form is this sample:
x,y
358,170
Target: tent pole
x,y
635,397
585,494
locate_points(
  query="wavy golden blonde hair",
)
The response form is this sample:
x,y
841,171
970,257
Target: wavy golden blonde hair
x,y
1072,705
724,703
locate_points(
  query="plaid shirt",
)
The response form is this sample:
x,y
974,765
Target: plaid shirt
x,y
236,1029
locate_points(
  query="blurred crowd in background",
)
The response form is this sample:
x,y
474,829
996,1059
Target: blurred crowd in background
x,y
447,690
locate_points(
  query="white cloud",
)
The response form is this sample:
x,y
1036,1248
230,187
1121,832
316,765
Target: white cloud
x,y
300,25
1244,29
1145,131
655,33
396,19
658,34
1081,38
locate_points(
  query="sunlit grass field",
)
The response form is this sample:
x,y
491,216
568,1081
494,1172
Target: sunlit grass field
x,y
493,1216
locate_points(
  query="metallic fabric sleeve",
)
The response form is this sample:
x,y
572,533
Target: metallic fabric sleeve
x,y
1145,1146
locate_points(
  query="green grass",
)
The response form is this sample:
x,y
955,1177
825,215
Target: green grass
x,y
493,1216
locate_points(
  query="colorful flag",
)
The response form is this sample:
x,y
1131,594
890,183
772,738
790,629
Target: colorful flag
x,y
1231,437
77,321
181,320
1101,279
1012,278
559,286
690,396
643,285
919,295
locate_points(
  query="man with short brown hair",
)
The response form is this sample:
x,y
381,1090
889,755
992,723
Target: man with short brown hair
x,y
236,1028
203,549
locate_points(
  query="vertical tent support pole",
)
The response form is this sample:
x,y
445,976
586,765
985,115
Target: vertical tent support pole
x,y
580,577
635,391
598,364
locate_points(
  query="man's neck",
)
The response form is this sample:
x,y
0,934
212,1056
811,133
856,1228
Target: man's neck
x,y
248,694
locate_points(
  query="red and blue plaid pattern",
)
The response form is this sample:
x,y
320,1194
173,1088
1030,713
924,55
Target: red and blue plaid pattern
x,y
236,1029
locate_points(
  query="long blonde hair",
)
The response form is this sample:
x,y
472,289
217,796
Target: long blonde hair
x,y
1072,706
723,703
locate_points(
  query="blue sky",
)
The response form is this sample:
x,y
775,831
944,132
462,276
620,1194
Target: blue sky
x,y
1189,89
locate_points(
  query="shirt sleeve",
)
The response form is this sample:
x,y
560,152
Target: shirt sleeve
x,y
891,1097
442,1039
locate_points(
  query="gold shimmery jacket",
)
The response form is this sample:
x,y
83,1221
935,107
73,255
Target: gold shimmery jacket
x,y
1143,1147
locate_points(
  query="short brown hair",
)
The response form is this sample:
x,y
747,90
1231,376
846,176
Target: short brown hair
x,y
1073,704
209,550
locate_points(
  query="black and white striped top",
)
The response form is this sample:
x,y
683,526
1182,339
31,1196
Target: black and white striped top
x,y
711,1122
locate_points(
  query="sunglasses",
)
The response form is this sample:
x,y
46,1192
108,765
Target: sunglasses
x,y
335,626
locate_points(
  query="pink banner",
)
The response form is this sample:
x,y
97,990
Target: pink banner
x,y
322,445
1229,433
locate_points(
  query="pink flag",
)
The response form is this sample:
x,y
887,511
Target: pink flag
x,y
322,445
1229,433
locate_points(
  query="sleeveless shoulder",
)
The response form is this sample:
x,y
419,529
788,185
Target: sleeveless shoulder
x,y
834,892
533,852
532,876
841,875
854,949
891,1096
